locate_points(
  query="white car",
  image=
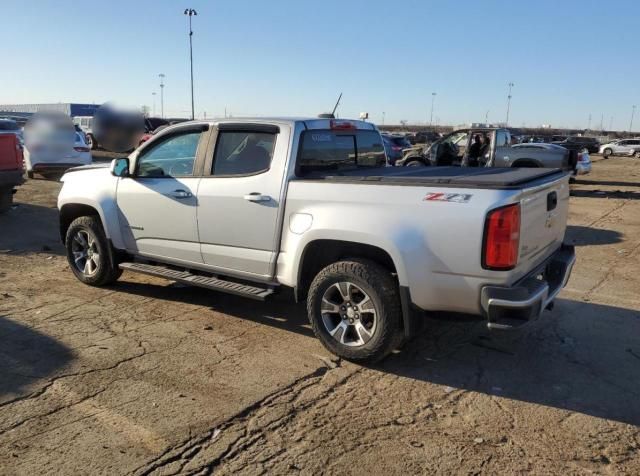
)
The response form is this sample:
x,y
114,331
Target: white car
x,y
629,147
47,162
86,124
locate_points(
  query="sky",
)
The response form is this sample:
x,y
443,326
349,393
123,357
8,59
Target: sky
x,y
567,59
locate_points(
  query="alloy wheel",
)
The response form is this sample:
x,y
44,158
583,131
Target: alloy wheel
x,y
85,253
348,314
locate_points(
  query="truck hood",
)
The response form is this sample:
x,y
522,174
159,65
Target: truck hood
x,y
83,171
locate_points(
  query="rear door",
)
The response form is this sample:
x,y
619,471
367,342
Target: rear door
x,y
239,198
157,203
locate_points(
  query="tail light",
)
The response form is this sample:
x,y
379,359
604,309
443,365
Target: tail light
x,y
337,124
502,238
396,147
81,149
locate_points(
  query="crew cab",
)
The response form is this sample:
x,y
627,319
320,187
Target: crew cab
x,y
455,149
256,206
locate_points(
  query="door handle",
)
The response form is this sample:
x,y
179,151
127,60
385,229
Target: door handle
x,y
257,197
181,194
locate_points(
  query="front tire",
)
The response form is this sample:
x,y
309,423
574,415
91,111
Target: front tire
x,y
606,153
354,309
89,253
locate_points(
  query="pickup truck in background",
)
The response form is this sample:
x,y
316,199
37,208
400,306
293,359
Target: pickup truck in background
x,y
455,149
255,206
11,168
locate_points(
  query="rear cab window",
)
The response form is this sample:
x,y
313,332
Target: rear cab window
x,y
331,150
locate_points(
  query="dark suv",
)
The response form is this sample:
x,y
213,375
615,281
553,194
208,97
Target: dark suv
x,y
580,142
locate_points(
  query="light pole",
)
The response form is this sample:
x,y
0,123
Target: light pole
x,y
486,117
509,102
154,103
433,99
633,112
383,118
191,12
161,76
589,123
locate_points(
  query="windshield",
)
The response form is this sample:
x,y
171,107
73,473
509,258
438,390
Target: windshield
x,y
340,150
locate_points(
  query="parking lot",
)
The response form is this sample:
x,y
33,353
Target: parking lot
x,y
148,377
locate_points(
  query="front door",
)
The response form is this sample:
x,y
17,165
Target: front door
x,y
239,200
157,204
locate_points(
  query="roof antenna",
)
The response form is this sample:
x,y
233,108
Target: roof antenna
x,y
337,104
331,115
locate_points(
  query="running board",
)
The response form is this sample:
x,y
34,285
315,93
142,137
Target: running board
x,y
185,277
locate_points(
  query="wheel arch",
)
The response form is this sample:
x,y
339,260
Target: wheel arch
x,y
526,162
70,212
321,252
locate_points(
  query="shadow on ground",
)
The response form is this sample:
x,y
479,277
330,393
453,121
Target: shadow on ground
x,y
18,234
586,235
27,357
580,357
610,183
619,194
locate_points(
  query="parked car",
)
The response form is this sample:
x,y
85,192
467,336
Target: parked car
x,y
11,168
394,145
580,142
51,160
629,147
86,124
232,206
455,149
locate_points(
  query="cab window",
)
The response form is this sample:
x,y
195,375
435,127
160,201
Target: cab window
x,y
243,152
172,157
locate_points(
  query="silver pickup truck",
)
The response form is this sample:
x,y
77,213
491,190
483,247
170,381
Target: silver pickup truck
x,y
486,146
253,206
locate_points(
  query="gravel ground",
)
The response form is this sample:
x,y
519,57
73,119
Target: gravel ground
x,y
147,377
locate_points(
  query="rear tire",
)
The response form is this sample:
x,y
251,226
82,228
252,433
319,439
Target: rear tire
x,y
606,153
89,253
415,163
6,199
354,309
637,155
29,174
91,142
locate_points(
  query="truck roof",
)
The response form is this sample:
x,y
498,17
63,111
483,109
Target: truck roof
x,y
309,122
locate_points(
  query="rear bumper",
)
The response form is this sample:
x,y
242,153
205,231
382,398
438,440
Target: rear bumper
x,y
56,167
11,178
511,307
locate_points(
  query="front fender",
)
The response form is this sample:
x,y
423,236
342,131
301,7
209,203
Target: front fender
x,y
95,189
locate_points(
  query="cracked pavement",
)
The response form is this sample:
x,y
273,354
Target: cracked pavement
x,y
148,377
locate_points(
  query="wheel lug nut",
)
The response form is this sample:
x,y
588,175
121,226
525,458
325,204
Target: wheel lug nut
x,y
343,308
357,316
344,316
351,321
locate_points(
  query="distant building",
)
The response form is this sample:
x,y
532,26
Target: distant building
x,y
71,109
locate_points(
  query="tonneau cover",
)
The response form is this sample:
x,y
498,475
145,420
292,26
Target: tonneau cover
x,y
463,177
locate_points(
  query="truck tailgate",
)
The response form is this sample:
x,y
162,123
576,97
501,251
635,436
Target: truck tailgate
x,y
543,211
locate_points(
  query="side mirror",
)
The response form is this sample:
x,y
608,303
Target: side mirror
x,y
120,167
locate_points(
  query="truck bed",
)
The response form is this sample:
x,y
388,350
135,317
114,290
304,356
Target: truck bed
x,y
458,177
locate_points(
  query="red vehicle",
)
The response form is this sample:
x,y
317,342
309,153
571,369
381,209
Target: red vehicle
x,y
11,168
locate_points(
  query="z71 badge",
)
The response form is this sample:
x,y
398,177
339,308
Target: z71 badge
x,y
448,197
